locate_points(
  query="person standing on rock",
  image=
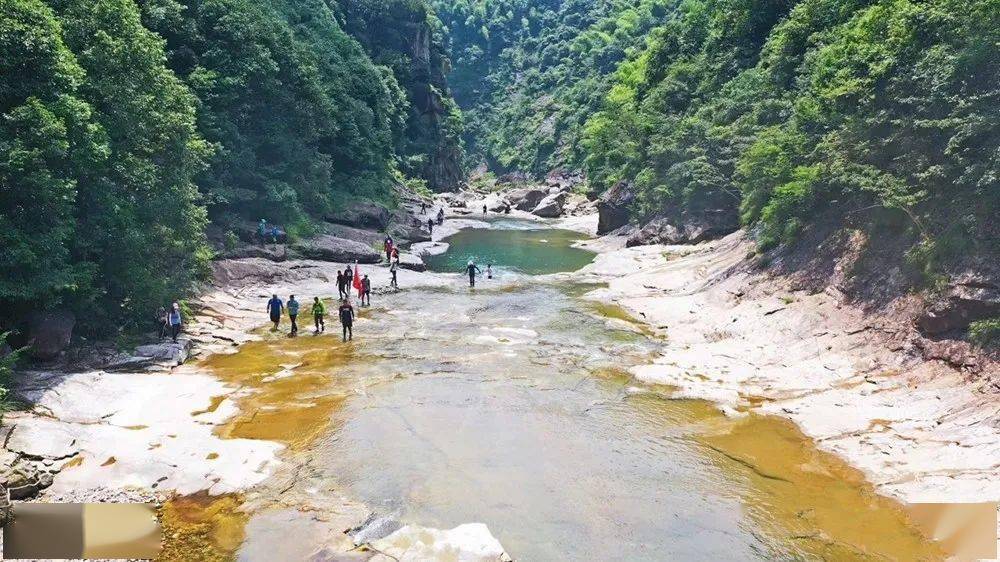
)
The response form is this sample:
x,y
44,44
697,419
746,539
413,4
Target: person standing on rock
x,y
441,216
489,271
388,246
319,312
163,321
175,320
341,285
293,314
430,226
393,268
472,269
484,209
274,308
423,208
366,290
347,319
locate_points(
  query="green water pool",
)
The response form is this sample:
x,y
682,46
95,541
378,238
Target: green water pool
x,y
531,252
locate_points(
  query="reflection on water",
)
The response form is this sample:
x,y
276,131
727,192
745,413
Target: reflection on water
x,y
513,250
511,408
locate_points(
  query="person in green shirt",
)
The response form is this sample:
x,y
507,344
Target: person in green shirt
x,y
319,312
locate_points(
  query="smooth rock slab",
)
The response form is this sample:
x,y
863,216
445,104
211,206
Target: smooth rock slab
x,y
471,542
412,262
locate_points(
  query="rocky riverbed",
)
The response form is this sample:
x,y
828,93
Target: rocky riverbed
x,y
920,429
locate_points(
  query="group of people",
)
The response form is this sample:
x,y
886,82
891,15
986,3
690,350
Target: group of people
x,y
170,321
276,307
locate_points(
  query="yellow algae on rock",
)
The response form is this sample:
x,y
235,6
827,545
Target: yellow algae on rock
x,y
202,527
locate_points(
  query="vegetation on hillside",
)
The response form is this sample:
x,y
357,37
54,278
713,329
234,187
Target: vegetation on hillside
x,y
777,114
126,125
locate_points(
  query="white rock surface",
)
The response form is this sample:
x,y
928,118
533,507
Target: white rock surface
x,y
471,542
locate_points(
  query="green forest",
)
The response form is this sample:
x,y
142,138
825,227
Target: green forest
x,y
128,126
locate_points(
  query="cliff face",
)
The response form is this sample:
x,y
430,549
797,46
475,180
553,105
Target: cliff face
x,y
399,35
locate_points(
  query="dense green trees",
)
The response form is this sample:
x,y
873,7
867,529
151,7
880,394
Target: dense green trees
x,y
126,124
881,113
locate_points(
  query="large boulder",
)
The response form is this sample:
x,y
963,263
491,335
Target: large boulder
x,y
330,248
526,199
49,333
964,302
362,214
613,207
411,262
551,206
272,252
686,230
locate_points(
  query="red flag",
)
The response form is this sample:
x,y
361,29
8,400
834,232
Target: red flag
x,y
357,279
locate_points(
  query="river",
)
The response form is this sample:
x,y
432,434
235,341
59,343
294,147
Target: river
x,y
510,405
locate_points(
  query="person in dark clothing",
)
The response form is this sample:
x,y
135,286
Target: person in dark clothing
x,y
347,319
341,285
484,210
441,216
489,271
506,209
293,314
472,269
348,279
163,321
275,307
175,321
366,291
430,226
319,312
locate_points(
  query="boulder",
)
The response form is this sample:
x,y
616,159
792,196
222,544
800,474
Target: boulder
x,y
272,252
330,248
551,206
366,237
362,214
687,229
168,352
613,207
964,302
411,262
49,333
406,233
250,271
526,199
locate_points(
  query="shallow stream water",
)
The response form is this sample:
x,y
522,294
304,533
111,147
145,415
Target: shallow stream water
x,y
509,405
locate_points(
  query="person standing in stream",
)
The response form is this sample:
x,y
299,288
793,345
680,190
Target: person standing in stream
x,y
341,285
293,314
357,280
366,290
348,280
319,312
275,307
472,269
347,319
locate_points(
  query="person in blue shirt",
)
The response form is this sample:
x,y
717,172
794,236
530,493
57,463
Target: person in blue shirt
x,y
293,313
275,307
175,321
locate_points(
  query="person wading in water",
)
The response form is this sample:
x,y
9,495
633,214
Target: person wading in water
x,y
275,307
347,319
319,311
366,291
293,314
472,269
341,285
